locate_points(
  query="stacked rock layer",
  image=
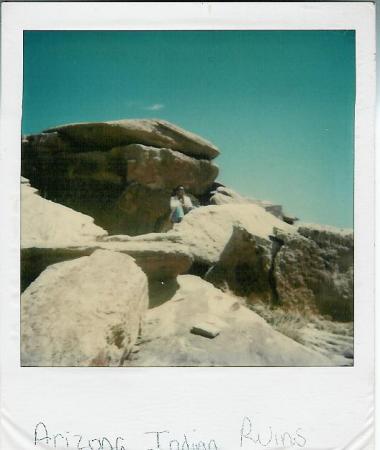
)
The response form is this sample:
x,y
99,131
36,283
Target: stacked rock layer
x,y
122,173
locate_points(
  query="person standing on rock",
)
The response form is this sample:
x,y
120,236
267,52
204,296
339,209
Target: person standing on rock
x,y
180,204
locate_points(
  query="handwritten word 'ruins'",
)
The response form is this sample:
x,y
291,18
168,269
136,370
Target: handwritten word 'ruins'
x,y
250,438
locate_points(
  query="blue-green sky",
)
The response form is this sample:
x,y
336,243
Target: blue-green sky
x,y
278,104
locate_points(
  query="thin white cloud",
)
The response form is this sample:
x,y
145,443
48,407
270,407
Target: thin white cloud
x,y
155,107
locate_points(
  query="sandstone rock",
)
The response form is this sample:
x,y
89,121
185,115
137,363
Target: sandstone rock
x,y
159,260
157,133
207,230
205,329
34,260
47,141
225,196
52,233
311,274
85,312
166,169
141,209
124,184
48,224
316,272
326,235
245,339
244,265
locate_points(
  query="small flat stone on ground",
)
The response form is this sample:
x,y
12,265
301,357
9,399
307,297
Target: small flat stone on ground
x,y
205,329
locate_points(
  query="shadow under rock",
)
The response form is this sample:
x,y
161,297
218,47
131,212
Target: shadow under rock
x,y
160,291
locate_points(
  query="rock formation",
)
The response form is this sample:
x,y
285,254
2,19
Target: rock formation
x,y
157,133
88,281
310,271
122,173
314,268
84,312
244,338
244,266
207,230
52,233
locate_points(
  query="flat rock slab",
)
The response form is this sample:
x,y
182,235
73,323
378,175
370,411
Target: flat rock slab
x,y
205,329
159,260
157,133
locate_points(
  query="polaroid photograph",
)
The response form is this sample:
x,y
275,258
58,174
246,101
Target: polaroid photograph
x,y
188,198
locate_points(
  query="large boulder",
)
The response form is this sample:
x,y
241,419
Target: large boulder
x,y
314,271
310,271
85,312
157,133
121,173
207,230
243,338
244,266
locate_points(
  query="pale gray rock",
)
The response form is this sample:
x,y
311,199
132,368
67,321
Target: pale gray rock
x,y
245,339
85,312
207,230
205,329
159,260
244,266
163,168
153,132
121,173
315,273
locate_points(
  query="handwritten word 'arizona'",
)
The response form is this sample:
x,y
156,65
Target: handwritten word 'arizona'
x,y
75,441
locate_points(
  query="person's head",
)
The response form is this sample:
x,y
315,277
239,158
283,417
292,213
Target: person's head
x,y
180,191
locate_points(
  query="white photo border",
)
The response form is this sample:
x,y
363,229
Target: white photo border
x,y
331,407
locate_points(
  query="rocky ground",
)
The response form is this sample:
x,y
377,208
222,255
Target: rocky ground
x,y
105,280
